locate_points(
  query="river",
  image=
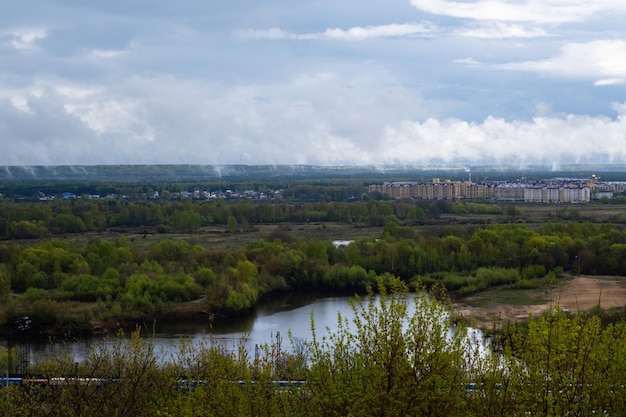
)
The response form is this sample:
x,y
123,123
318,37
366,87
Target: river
x,y
279,316
268,323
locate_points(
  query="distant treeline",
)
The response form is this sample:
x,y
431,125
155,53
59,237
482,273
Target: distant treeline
x,y
195,173
37,220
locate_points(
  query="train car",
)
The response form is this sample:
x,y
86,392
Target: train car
x,y
10,380
74,381
34,381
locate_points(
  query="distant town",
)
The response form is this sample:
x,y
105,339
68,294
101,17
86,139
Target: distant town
x,y
573,184
555,190
164,195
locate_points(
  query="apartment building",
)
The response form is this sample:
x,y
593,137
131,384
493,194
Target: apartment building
x,y
548,191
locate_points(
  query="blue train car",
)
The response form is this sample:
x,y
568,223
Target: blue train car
x,y
11,380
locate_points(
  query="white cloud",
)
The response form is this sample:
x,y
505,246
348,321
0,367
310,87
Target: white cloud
x,y
467,61
271,34
620,109
73,91
394,30
609,81
543,108
17,100
24,38
501,30
319,118
537,11
105,53
570,138
21,98
603,60
114,117
486,30
316,118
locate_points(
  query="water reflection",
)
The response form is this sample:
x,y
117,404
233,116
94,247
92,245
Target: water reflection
x,y
288,314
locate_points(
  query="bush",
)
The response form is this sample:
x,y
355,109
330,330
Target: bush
x,y
534,271
34,294
526,284
497,276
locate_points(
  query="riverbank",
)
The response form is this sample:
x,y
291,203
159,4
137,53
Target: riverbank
x,y
486,310
572,293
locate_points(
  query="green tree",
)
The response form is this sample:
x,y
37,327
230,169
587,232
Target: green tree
x,y
26,229
389,360
5,284
187,220
565,365
232,224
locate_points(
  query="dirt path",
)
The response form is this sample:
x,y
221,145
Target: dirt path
x,y
578,293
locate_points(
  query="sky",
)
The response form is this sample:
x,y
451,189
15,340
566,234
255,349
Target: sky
x,y
320,82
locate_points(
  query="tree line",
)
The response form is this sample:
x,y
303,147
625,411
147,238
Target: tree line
x,y
56,218
37,220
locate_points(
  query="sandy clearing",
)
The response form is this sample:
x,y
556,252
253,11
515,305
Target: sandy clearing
x,y
579,293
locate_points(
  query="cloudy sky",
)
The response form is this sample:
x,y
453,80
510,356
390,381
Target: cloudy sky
x,y
321,82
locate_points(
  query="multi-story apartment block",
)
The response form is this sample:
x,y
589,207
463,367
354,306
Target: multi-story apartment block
x,y
544,191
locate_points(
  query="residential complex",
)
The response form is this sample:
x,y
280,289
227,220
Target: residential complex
x,y
556,190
